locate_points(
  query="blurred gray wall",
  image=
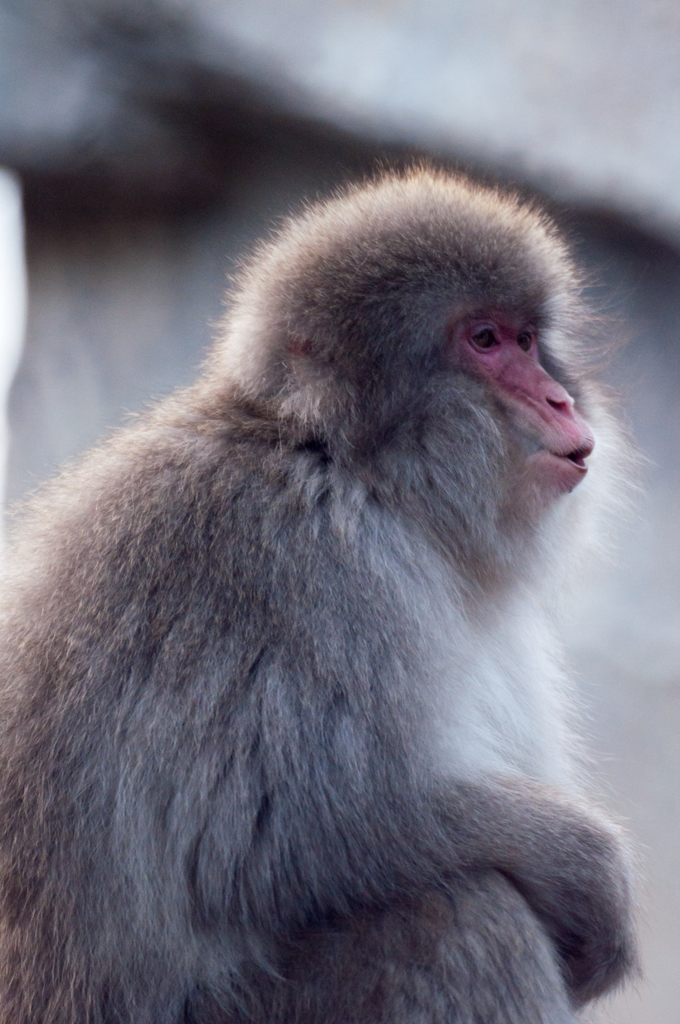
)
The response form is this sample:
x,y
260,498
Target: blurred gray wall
x,y
157,140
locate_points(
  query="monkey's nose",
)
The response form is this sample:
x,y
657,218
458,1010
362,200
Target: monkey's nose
x,y
557,397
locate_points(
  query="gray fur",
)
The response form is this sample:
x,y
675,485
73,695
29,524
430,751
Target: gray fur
x,y
242,773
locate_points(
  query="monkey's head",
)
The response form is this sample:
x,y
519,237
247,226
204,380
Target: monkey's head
x,y
420,313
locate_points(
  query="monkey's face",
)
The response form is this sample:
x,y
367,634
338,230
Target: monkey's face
x,y
504,353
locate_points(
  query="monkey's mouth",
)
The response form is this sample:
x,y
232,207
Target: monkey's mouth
x,y
578,456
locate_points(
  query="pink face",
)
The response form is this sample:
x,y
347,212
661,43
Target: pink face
x,y
506,356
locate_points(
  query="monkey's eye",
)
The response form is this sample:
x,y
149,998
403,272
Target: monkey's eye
x,y
484,339
525,341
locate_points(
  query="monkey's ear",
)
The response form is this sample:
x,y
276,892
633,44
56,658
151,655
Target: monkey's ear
x,y
298,346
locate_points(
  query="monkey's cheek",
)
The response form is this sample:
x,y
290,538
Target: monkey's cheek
x,y
554,474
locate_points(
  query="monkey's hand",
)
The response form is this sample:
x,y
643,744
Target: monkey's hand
x,y
573,869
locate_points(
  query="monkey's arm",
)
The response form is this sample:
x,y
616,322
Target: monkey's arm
x,y
374,821
571,866
337,819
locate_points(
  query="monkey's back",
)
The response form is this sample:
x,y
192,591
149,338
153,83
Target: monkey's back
x,y
194,652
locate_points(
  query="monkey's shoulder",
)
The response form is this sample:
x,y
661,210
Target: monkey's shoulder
x,y
168,519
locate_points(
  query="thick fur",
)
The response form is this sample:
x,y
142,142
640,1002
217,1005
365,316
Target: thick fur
x,y
284,734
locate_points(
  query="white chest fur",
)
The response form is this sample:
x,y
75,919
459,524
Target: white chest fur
x,y
493,693
501,702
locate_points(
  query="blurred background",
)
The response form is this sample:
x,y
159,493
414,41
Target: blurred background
x,y
148,143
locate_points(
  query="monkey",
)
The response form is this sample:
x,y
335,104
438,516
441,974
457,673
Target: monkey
x,y
285,726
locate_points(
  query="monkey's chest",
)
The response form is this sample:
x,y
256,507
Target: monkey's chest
x,y
500,701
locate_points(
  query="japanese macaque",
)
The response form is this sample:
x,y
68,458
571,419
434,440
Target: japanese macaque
x,y
284,724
